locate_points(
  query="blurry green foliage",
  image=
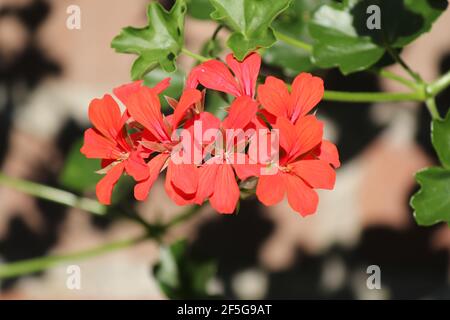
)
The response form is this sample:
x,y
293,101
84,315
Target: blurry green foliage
x,y
180,277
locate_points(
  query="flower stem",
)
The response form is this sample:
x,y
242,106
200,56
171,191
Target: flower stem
x,y
371,96
53,194
18,268
431,105
194,55
190,212
390,75
394,54
38,264
440,84
293,42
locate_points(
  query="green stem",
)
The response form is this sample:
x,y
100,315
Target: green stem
x,y
293,42
194,55
15,269
372,96
390,75
53,194
216,31
431,105
190,212
38,264
394,54
440,84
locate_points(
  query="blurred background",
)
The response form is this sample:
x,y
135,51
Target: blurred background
x,y
48,75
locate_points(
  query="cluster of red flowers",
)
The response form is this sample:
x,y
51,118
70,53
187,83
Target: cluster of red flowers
x,y
141,140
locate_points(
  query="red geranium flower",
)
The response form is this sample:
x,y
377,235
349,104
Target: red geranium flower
x,y
215,75
306,93
159,140
109,141
300,170
217,179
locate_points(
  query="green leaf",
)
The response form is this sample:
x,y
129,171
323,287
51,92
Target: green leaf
x,y
180,277
402,21
250,22
338,44
294,23
200,9
78,173
157,44
343,39
176,83
432,202
440,136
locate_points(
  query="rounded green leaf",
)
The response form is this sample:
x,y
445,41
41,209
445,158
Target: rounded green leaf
x,y
432,202
337,42
343,38
293,22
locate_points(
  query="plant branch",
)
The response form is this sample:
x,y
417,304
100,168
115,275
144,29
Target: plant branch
x,y
53,194
372,96
15,269
394,54
293,42
440,84
392,76
190,212
432,108
194,55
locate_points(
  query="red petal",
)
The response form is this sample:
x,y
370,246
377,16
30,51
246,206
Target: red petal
x,y
226,190
214,75
161,86
106,117
124,92
206,182
98,147
306,93
246,72
177,195
301,198
187,100
308,134
183,176
241,112
145,108
136,167
155,165
274,96
327,151
271,189
192,79
286,134
105,186
246,170
317,173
